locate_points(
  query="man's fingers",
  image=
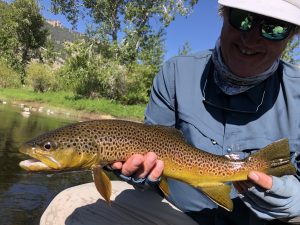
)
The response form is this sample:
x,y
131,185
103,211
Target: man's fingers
x,y
261,179
141,166
149,163
238,187
254,178
132,164
116,165
242,186
157,170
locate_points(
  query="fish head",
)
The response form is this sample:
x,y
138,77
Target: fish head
x,y
46,156
58,150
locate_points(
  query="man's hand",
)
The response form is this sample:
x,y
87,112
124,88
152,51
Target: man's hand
x,y
271,197
254,178
261,179
141,166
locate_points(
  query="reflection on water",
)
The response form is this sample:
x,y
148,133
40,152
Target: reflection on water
x,y
23,195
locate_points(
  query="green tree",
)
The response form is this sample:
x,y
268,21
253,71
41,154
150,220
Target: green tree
x,y
22,33
185,50
89,74
127,39
126,25
48,53
8,38
291,53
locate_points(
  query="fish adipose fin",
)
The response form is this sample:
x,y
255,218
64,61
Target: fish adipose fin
x,y
277,157
219,194
102,183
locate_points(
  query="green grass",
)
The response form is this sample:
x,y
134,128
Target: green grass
x,y
68,101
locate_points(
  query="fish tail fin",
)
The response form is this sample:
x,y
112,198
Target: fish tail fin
x,y
277,157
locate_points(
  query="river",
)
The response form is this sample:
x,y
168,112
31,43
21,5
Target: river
x,y
23,195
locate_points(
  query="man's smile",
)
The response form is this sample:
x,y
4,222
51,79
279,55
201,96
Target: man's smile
x,y
246,51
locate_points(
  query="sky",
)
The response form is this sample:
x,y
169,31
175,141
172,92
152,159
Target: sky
x,y
200,29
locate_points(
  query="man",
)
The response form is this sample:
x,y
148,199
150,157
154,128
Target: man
x,y
233,101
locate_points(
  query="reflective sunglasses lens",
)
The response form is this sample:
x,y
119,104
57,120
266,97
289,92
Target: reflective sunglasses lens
x,y
240,19
271,29
275,32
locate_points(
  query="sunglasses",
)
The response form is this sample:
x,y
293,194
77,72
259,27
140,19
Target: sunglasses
x,y
270,29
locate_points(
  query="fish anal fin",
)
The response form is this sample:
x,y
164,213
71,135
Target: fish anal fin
x,y
220,194
163,186
102,183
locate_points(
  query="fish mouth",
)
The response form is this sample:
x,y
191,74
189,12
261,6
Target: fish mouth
x,y
38,162
34,165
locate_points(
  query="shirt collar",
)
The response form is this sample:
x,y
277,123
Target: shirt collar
x,y
246,102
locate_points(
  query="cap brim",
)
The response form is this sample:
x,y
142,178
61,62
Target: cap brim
x,y
278,9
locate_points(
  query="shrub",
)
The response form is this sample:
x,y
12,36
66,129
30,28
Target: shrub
x,y
112,79
89,74
139,83
8,77
41,78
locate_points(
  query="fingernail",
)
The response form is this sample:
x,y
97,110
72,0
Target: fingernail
x,y
253,176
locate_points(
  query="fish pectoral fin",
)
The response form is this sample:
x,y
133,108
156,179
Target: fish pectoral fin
x,y
220,194
163,186
102,182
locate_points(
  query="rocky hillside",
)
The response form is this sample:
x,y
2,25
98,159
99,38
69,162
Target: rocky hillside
x,y
59,34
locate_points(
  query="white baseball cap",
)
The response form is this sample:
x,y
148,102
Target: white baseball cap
x,y
286,10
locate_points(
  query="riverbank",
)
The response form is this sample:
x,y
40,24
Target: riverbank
x,y
65,103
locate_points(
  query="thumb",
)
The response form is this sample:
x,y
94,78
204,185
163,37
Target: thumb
x,y
261,179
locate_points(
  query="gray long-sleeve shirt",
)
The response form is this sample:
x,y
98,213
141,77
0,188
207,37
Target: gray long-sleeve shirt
x,y
185,96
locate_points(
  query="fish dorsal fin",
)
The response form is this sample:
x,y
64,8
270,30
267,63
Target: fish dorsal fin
x,y
163,186
171,130
219,194
102,182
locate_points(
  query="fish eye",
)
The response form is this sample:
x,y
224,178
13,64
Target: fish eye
x,y
47,145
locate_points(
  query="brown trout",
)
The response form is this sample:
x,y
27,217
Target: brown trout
x,y
94,144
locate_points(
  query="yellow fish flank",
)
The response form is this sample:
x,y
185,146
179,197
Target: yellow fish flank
x,y
94,144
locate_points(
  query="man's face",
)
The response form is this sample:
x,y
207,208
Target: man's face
x,y
247,53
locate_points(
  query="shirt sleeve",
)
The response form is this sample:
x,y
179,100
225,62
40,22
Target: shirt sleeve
x,y
296,162
281,201
161,106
